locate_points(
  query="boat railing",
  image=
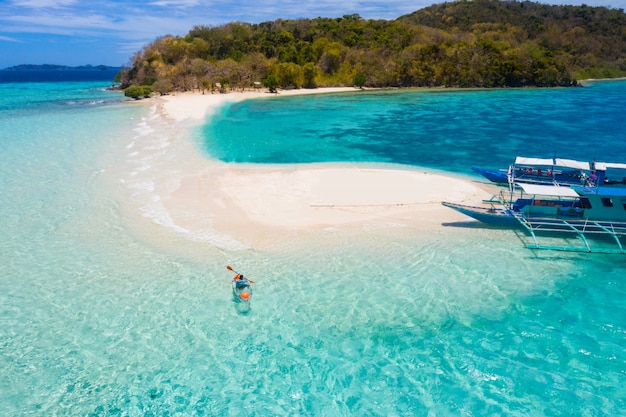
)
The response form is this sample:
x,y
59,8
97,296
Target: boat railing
x,y
495,199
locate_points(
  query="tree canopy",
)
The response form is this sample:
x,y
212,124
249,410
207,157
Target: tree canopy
x,y
478,43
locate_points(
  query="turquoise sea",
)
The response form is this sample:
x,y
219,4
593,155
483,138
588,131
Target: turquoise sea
x,y
104,314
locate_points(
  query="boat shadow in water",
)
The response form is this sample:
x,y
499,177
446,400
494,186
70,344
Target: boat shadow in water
x,y
476,225
241,299
242,307
518,231
560,240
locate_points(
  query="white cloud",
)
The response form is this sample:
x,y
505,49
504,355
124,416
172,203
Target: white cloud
x,y
8,39
48,4
176,3
64,21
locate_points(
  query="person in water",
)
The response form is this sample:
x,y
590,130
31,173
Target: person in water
x,y
241,281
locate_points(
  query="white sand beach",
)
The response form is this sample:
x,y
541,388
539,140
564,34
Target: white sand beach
x,y
259,204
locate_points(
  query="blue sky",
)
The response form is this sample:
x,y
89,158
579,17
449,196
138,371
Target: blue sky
x,y
79,32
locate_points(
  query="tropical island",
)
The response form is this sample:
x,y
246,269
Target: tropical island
x,y
479,43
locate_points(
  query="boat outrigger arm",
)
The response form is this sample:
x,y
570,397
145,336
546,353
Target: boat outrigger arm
x,y
578,226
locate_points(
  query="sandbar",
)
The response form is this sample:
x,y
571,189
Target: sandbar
x,y
259,204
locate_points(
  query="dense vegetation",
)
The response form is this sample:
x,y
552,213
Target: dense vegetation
x,y
479,43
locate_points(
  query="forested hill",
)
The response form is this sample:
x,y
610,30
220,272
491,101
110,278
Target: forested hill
x,y
480,43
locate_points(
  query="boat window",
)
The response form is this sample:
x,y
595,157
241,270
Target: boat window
x,y
585,203
624,204
607,202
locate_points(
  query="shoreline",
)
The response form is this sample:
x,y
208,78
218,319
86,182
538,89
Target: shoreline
x,y
257,206
198,106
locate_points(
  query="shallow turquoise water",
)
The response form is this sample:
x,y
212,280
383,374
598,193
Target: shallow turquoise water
x,y
95,319
440,129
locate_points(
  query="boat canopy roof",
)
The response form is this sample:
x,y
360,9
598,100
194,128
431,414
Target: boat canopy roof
x,y
602,166
549,190
617,192
557,162
522,160
570,163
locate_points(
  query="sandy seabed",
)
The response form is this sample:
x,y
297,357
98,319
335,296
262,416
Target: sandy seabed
x,y
257,205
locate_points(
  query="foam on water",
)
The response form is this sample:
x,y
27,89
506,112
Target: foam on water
x,y
152,168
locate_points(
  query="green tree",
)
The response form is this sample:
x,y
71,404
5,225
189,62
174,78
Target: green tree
x,y
330,60
271,82
359,80
309,71
138,91
163,86
289,75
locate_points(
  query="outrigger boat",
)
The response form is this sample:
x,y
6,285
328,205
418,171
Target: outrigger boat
x,y
542,171
579,210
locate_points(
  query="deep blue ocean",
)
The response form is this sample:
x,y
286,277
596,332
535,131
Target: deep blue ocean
x,y
105,311
57,75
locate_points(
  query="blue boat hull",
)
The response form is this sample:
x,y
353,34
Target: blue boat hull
x,y
498,177
501,217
